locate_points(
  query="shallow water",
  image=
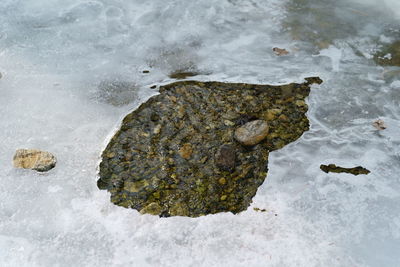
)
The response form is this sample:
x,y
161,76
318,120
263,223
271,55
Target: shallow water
x,y
55,54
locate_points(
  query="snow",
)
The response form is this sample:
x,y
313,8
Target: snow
x,y
53,56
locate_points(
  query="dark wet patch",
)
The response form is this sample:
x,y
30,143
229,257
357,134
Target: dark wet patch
x,y
180,75
176,154
333,168
389,55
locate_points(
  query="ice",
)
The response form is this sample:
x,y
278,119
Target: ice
x,y
334,54
58,58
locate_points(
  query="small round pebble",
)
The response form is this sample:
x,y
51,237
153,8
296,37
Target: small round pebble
x,y
252,132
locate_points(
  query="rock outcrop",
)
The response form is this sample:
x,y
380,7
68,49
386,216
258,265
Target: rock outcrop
x,y
178,154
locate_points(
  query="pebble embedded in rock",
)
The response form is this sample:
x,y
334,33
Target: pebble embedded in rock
x,y
186,151
222,181
33,159
225,157
252,132
152,208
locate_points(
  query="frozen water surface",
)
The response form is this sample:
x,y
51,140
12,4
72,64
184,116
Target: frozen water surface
x,y
57,58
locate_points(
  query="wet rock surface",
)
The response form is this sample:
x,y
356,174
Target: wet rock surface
x,y
34,159
176,155
182,74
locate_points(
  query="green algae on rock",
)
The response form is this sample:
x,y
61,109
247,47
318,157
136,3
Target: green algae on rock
x,y
333,168
176,154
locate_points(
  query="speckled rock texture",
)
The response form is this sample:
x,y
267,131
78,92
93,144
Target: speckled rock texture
x,y
34,159
176,155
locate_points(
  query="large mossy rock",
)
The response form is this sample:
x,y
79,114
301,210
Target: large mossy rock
x,y
176,155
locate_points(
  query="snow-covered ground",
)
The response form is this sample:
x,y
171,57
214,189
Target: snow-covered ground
x,y
55,53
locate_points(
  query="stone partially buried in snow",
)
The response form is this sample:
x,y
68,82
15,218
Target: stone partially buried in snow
x,y
176,155
34,159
